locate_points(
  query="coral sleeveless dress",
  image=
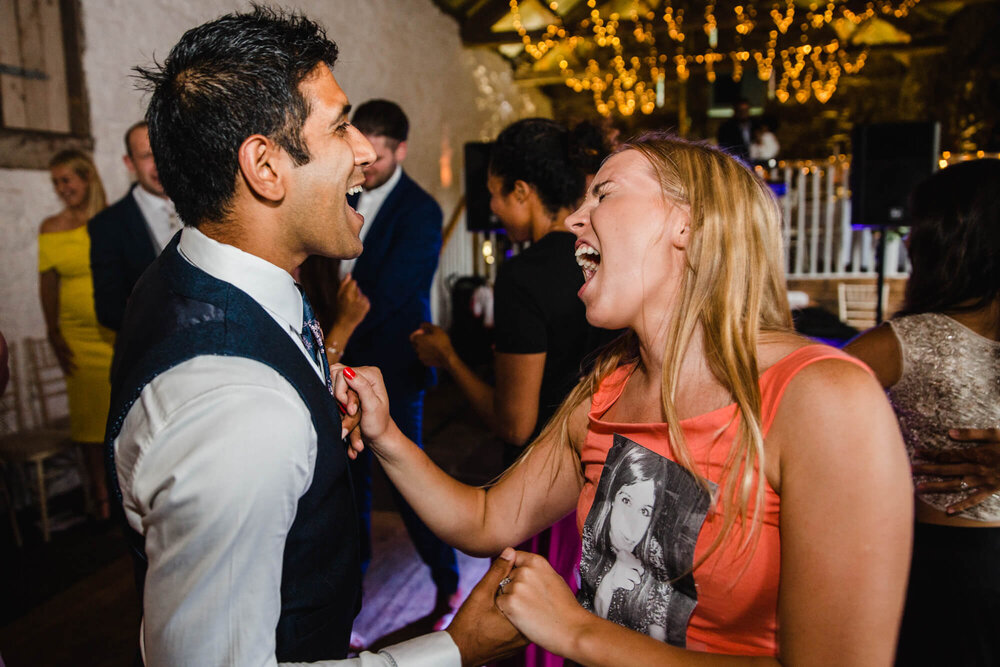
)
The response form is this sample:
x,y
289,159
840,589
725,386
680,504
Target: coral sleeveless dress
x,y
640,511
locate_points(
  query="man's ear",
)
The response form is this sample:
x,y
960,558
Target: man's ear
x,y
129,164
400,152
262,164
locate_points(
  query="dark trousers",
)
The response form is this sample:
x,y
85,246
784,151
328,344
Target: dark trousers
x,y
407,411
952,612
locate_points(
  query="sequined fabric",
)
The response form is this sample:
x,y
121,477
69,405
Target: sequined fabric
x,y
950,379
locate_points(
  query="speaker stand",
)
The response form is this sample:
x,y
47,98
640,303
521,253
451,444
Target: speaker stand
x,y
880,272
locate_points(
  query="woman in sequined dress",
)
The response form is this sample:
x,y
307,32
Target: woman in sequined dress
x,y
939,359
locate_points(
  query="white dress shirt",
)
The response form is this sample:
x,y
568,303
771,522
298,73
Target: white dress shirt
x,y
368,206
161,217
212,460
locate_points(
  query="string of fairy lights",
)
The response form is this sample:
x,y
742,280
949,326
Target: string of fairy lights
x,y
630,54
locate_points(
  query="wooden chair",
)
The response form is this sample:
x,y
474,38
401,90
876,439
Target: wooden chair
x,y
33,442
857,303
46,387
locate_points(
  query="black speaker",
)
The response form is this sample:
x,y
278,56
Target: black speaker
x,y
478,216
888,161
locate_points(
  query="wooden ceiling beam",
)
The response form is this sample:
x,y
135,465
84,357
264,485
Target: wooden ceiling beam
x,y
476,27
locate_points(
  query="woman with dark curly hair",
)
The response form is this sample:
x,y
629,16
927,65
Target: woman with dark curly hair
x,y
939,359
537,175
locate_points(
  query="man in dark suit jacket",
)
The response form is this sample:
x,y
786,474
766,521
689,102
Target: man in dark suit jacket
x,y
402,240
736,134
127,236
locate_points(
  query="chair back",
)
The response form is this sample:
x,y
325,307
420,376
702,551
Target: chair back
x,y
12,414
857,303
47,394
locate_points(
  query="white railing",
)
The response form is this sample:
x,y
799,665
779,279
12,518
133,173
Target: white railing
x,y
818,237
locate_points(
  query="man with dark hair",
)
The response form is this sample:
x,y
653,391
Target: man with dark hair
x,y
225,444
402,237
128,235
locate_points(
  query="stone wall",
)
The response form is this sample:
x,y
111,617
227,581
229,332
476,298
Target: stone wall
x,y
404,50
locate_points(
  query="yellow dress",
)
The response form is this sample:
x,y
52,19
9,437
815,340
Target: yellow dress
x,y
68,252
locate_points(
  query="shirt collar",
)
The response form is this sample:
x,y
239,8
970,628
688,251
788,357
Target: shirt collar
x,y
146,198
270,286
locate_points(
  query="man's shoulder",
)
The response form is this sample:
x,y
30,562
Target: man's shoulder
x,y
121,212
415,195
231,379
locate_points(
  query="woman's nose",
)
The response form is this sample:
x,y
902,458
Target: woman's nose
x,y
577,220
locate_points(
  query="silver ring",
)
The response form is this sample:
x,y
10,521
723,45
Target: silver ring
x,y
964,485
503,582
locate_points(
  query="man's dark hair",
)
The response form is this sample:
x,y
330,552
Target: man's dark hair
x,y
382,118
549,157
128,135
221,83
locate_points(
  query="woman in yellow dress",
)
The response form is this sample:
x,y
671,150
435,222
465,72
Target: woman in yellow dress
x,y
82,346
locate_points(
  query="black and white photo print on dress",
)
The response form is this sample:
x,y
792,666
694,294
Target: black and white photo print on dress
x,y
639,541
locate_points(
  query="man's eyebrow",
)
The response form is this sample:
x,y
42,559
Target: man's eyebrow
x,y
345,112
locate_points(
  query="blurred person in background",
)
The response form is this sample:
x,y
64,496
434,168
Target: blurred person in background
x,y
81,344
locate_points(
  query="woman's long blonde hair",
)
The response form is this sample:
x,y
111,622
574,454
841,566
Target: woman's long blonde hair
x,y
734,288
83,166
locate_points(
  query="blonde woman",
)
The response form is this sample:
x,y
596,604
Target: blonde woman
x,y
781,529
82,346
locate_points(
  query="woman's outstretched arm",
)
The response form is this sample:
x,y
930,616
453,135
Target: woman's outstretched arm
x,y
535,493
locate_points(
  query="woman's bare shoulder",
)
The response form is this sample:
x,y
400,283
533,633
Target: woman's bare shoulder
x,y
60,222
774,346
879,348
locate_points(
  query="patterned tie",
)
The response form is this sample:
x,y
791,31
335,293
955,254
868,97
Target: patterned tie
x,y
312,338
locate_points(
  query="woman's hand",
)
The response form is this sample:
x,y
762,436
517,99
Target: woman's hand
x,y
64,355
540,604
975,469
433,345
368,397
352,305
626,573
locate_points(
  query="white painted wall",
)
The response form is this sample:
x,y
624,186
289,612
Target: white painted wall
x,y
404,50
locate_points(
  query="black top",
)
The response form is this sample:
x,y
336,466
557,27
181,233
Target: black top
x,y
537,310
179,312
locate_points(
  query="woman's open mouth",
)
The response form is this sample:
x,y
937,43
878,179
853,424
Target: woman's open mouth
x,y
589,259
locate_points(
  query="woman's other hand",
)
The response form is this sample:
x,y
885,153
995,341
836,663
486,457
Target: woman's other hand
x,y
975,469
540,604
433,345
352,305
64,355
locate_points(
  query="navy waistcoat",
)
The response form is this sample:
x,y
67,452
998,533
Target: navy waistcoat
x,y
178,312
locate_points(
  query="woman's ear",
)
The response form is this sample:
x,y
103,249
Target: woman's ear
x,y
262,164
682,221
522,191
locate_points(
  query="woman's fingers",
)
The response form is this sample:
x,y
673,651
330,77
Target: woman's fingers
x,y
973,500
949,469
975,434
